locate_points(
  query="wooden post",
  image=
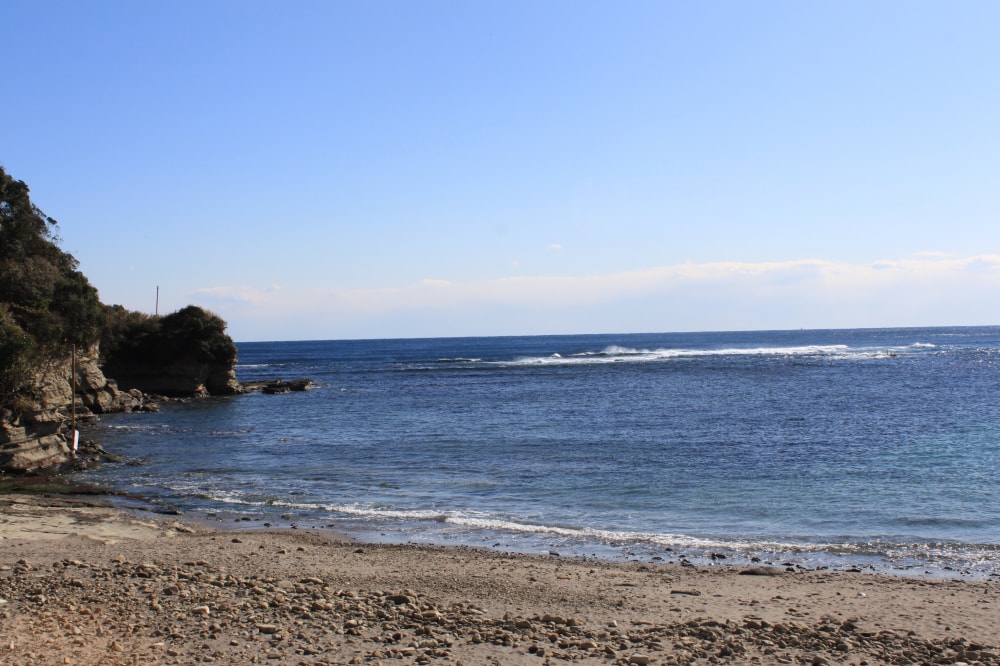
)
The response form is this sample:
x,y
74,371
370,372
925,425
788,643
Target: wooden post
x,y
72,402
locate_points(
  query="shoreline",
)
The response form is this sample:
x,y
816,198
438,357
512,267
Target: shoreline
x,y
83,580
799,558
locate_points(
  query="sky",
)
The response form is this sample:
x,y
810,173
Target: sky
x,y
389,169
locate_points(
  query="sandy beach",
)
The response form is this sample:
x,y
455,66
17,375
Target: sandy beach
x,y
84,583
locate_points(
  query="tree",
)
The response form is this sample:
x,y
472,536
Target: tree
x,y
46,304
17,360
132,339
47,296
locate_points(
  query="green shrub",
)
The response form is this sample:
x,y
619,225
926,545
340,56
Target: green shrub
x,y
132,338
47,305
18,356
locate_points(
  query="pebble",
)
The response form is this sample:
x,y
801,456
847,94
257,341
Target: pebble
x,y
197,612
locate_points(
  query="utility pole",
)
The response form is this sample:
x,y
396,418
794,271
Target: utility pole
x,y
157,311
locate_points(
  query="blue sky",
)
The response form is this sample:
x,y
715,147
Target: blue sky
x,y
321,170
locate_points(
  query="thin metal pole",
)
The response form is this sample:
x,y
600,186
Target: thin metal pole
x,y
157,311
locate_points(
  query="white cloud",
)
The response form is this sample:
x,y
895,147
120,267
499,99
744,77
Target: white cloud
x,y
243,294
922,290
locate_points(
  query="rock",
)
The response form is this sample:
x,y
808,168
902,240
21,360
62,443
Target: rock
x,y
23,449
762,571
274,386
400,599
38,437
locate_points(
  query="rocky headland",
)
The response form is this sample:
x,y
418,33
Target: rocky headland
x,y
72,388
66,357
40,436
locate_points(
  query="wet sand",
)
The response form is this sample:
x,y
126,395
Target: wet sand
x,y
84,583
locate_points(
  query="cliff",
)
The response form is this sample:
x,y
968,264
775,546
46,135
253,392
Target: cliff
x,y
180,377
37,435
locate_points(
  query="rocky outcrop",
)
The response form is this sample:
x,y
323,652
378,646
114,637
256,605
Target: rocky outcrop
x,y
181,354
38,435
274,386
180,378
24,448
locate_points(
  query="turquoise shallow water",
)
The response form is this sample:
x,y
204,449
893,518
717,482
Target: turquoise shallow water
x,y
841,449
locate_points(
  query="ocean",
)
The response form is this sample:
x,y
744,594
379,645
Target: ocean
x,y
872,450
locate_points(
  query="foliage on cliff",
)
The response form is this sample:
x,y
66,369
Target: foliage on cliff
x,y
132,338
46,304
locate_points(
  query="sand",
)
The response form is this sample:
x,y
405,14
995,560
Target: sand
x,y
84,583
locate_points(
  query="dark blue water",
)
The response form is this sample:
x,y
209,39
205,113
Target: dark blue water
x,y
841,448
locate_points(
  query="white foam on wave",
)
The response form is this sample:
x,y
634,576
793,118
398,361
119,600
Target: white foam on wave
x,y
486,523
913,554
616,354
924,552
